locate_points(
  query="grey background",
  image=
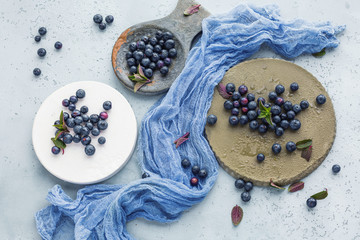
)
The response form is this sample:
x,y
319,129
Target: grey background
x,y
86,56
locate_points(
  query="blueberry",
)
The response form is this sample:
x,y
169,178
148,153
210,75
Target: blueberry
x,y
279,89
167,35
159,35
133,70
252,105
211,119
57,122
70,122
85,131
284,124
75,113
36,71
37,38
294,86
272,96
148,52
272,127
145,175
254,124
103,115
84,109
336,168
138,55
295,124
244,110
195,169
267,105
155,57
279,131
202,173
153,41
235,111
42,31
230,87
76,138
107,105
248,186
131,62
66,116
228,105
85,117
260,157
250,97
276,119
94,118
97,18
145,62
275,110
290,115
102,125
172,52
239,183
164,54
290,146
109,19
304,104
145,39
73,99
167,61
141,45
244,101
252,114
276,148
67,138
90,149
152,66
164,70
169,44
102,26
263,128
194,181
279,101
185,163
95,132
80,93
311,202
243,89
129,55
78,120
245,196
233,120
132,46
321,99
160,64
161,43
243,120
157,49
86,140
77,129
287,106
261,99
41,52
296,108
89,125
283,116
101,140
58,45
55,150
236,104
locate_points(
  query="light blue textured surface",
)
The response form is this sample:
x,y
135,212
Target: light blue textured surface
x,y
101,211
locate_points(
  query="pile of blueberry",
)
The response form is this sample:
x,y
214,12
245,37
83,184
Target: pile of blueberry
x,y
201,173
248,186
152,52
82,124
99,20
41,51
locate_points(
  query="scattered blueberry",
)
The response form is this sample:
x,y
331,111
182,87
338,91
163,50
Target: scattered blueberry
x,y
279,89
243,119
284,124
97,18
67,138
243,89
102,125
252,115
283,116
233,120
296,108
58,45
304,104
275,110
336,168
279,101
244,101
73,99
250,97
101,140
37,38
230,87
41,52
260,157
321,99
276,148
131,62
70,122
261,99
236,96
89,125
244,110
42,31
272,96
109,19
202,173
239,183
95,131
75,113
94,118
77,129
235,111
294,86
252,105
248,186
195,169
86,140
262,128
107,105
89,150
311,202
287,106
279,131
290,115
78,120
55,150
132,46
245,196
80,93
211,119
76,138
295,124
164,70
84,131
84,109
66,116
169,44
85,117
148,73
290,146
185,163
228,105
36,71
236,104
172,53
145,175
254,124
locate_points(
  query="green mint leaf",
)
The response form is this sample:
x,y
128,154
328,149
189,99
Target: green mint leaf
x,y
319,54
262,115
269,120
59,126
303,144
265,113
57,142
236,215
62,118
141,73
192,9
320,195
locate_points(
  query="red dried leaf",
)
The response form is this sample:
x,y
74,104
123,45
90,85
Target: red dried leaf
x,y
191,10
222,91
139,85
272,184
296,187
236,215
181,139
306,153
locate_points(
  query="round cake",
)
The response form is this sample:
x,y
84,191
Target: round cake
x,y
237,147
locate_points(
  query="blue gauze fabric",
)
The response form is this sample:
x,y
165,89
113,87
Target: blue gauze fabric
x,y
101,211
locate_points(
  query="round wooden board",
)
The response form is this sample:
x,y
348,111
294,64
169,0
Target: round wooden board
x,y
236,147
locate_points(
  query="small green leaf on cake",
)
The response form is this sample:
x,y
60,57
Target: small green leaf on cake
x,y
222,91
181,139
191,10
320,195
306,153
304,144
272,184
236,215
296,187
319,54
265,113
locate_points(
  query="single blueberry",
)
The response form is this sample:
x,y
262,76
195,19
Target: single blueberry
x,y
148,52
252,114
245,196
145,39
211,119
336,168
167,61
86,140
244,110
294,86
235,111
148,73
283,116
102,125
73,99
102,26
195,169
37,38
155,57
164,70
75,113
304,104
101,140
97,18
55,150
67,138
267,105
236,104
290,115
260,157
145,62
311,202
296,108
244,101
276,148
236,96
89,125
233,120
228,105
145,175
90,150
279,131
41,52
161,43
129,55
263,128
42,31
202,173
279,89
194,181
160,64
95,131
85,117
58,45
94,118
36,71
77,129
275,110
131,62
243,89
76,138
152,66
133,46
85,131
167,35
279,101
138,55
185,163
61,134
169,44
153,41
243,119
66,116
78,120
239,183
290,146
287,106
261,99
133,70
164,54
70,122
84,109
248,186
321,99
252,105
250,97
103,115
172,53
107,105
276,119
80,93
284,124
109,19
254,124
57,122
230,87
157,49
295,124
272,96
159,34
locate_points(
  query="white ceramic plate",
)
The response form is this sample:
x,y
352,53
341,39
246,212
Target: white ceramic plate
x,y
75,166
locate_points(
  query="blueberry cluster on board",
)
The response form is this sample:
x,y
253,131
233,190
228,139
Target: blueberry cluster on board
x,y
41,51
247,186
82,124
99,20
152,53
196,171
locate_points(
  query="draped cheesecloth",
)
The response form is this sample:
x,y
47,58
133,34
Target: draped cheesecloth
x,y
101,211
